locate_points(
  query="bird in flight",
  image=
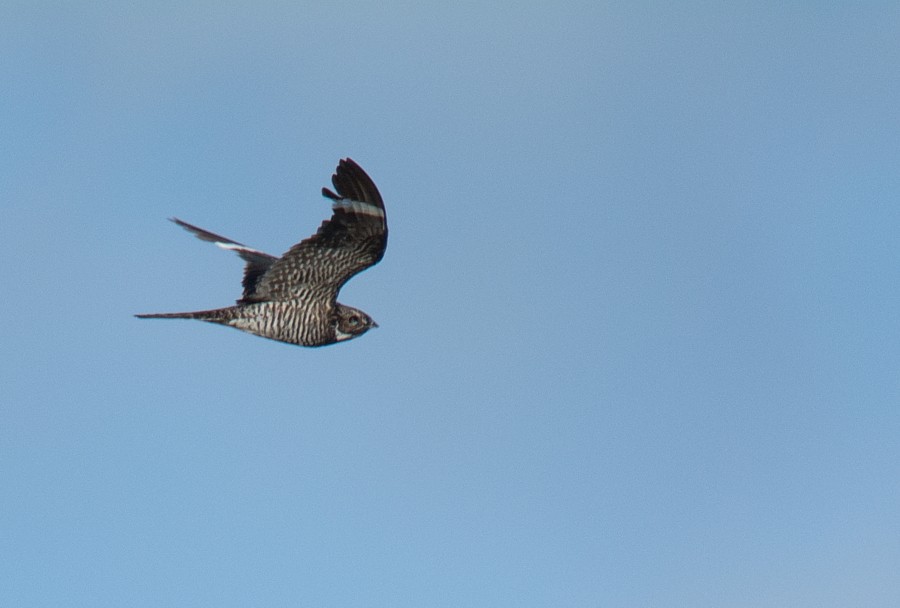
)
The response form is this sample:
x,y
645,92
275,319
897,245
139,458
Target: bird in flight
x,y
293,298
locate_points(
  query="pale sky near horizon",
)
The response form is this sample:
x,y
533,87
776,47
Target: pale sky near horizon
x,y
638,343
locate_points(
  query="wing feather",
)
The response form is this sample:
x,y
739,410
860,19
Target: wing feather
x,y
258,262
352,240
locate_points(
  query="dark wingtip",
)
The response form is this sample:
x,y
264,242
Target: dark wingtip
x,y
350,181
183,224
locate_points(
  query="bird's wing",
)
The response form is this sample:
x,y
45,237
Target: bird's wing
x,y
352,240
258,262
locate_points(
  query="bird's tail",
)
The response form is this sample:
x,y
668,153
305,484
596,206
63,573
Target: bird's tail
x,y
217,315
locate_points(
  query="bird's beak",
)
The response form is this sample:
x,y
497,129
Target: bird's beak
x,y
374,324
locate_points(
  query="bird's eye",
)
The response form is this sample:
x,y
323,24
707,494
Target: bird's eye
x,y
354,320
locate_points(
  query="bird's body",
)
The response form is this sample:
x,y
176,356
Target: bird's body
x,y
294,298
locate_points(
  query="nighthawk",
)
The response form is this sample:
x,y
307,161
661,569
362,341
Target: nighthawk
x,y
294,298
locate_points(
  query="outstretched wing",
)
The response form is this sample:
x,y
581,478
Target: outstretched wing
x,y
258,263
352,240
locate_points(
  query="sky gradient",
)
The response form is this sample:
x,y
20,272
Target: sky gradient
x,y
638,343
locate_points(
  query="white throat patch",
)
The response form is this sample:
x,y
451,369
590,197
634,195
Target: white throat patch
x,y
340,336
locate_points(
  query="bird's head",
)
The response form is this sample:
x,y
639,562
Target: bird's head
x,y
351,323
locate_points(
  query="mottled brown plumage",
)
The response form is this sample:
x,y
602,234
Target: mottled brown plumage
x,y
294,298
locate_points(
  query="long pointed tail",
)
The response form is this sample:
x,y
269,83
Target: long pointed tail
x,y
218,315
170,315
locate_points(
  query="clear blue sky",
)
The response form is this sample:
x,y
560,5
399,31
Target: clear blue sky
x,y
639,338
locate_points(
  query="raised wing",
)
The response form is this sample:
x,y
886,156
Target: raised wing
x,y
352,240
258,263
